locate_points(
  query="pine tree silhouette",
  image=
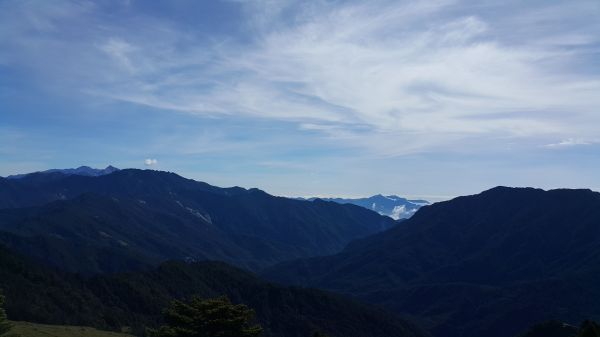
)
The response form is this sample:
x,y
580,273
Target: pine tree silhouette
x,y
208,318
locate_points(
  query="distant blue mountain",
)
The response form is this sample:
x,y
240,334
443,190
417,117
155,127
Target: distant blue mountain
x,y
391,205
80,171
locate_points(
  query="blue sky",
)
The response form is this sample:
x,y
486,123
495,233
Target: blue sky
x,y
333,98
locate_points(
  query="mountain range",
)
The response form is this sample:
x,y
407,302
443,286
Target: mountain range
x,y
391,205
81,171
468,266
111,249
131,219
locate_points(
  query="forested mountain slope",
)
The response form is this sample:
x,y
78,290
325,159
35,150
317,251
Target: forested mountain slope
x,y
467,266
133,218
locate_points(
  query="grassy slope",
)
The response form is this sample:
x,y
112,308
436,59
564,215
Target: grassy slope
x,y
26,329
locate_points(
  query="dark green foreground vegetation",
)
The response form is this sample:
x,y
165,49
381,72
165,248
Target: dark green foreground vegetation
x,y
136,300
5,325
26,329
207,318
216,317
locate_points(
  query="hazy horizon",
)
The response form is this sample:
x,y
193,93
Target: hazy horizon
x,y
411,197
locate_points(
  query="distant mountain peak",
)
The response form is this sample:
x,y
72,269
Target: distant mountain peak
x,y
81,171
391,205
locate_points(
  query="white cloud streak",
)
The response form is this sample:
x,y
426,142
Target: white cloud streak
x,y
571,142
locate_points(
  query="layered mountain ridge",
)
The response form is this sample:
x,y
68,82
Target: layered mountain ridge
x,y
133,218
489,264
466,266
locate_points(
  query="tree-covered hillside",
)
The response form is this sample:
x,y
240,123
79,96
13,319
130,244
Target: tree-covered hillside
x,y
131,219
467,266
39,294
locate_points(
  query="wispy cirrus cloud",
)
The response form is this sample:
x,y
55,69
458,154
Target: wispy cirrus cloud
x,y
422,74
